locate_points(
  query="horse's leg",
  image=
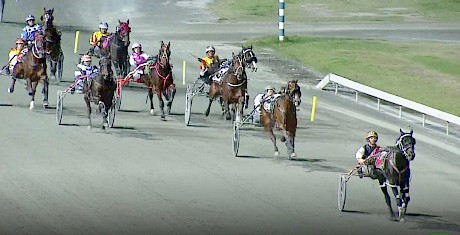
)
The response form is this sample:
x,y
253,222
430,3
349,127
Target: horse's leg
x,y
289,143
88,105
102,110
151,100
398,195
206,113
172,93
384,189
29,86
32,95
273,139
227,111
45,90
161,103
117,67
52,66
11,89
221,103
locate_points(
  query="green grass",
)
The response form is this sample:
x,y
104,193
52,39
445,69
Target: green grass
x,y
427,73
343,10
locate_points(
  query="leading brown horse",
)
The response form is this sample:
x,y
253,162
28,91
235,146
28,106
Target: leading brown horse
x,y
234,85
100,90
161,80
53,40
33,69
282,116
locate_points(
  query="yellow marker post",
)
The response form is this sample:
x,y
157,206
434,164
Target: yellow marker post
x,y
313,109
183,73
77,36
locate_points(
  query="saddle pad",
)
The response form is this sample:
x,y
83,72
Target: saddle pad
x,y
106,42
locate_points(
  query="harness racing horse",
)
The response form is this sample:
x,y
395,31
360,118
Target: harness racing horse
x,y
249,58
234,85
53,40
292,89
100,90
392,168
160,79
282,116
33,69
215,91
116,48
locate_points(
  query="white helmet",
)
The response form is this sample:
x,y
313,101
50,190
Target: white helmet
x,y
210,48
136,45
103,25
30,17
85,58
269,88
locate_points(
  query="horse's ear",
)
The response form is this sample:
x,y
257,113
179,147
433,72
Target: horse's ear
x,y
41,18
119,21
250,47
127,21
52,10
169,44
411,131
400,131
44,9
297,80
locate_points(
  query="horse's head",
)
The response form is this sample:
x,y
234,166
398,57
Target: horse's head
x,y
406,144
293,91
39,46
238,66
123,32
47,18
249,58
105,68
164,53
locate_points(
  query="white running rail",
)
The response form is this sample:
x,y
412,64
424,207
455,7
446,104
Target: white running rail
x,y
380,95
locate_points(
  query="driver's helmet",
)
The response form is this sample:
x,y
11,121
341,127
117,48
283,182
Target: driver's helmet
x,y
371,134
85,58
30,17
269,88
103,25
210,48
136,45
20,40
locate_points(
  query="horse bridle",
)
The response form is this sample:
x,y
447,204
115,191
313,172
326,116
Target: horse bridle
x,y
106,72
238,72
291,93
36,49
404,146
123,31
250,60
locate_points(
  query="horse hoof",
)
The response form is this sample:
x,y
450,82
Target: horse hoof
x,y
45,105
292,155
277,154
163,116
151,112
32,105
89,127
402,220
10,90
